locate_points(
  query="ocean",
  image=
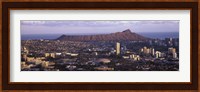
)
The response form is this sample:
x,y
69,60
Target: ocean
x,y
159,35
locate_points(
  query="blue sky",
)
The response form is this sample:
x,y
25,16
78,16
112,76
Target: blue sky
x,y
90,27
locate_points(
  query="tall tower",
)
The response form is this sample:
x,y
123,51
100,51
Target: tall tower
x,y
152,51
174,55
117,48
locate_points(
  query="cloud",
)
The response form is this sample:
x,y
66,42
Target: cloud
x,y
92,26
91,22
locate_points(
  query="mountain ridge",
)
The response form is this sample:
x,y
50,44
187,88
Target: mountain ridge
x,y
125,35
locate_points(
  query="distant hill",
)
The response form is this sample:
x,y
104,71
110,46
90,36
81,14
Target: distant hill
x,y
125,35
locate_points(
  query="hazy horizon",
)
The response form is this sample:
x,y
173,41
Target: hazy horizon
x,y
29,27
159,35
91,33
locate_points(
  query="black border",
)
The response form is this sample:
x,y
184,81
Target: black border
x,y
99,5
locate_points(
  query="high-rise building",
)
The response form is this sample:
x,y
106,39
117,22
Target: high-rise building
x,y
174,55
132,56
152,51
117,48
158,54
146,50
172,50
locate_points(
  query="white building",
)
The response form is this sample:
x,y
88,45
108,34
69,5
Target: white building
x,y
117,48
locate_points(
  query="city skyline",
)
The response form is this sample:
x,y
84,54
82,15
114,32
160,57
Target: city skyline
x,y
121,48
98,27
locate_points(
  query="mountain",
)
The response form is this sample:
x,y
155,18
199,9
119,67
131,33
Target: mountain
x,y
125,35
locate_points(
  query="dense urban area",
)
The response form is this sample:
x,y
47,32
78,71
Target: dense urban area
x,y
56,55
120,51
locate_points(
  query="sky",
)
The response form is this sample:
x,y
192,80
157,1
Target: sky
x,y
96,27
